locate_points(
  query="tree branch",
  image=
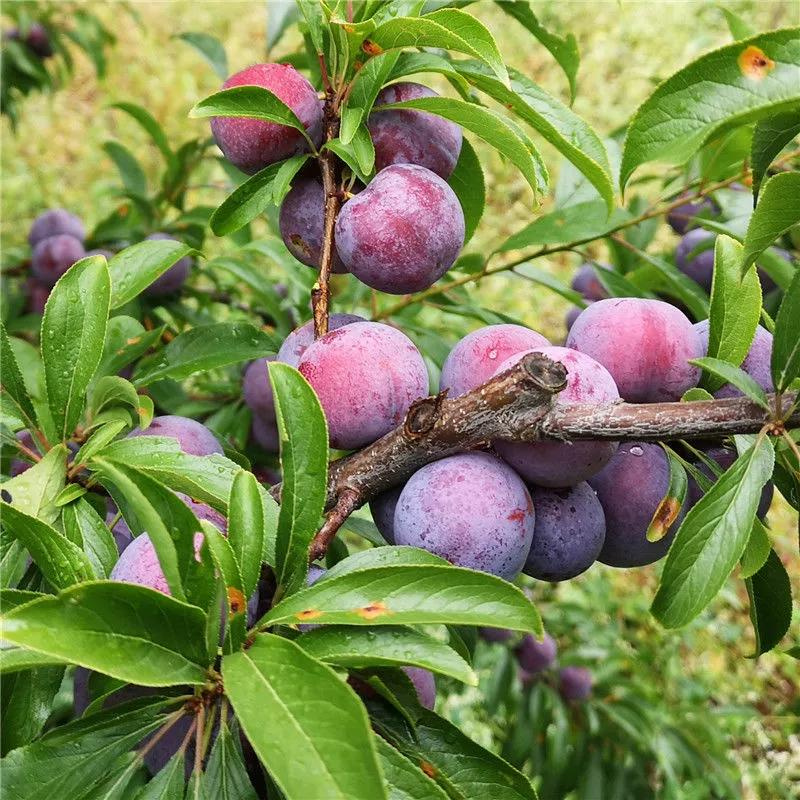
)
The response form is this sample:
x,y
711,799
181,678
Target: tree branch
x,y
518,405
320,294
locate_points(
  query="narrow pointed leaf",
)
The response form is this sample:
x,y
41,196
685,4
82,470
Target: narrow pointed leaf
x,y
246,525
778,210
770,595
770,136
785,364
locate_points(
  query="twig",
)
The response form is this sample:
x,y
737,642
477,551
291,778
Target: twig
x,y
654,211
346,503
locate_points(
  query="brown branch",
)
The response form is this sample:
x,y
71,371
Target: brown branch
x,y
518,405
320,294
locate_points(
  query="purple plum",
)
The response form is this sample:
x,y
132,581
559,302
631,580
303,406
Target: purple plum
x,y
382,508
366,376
53,256
700,268
295,344
680,218
403,232
574,683
173,279
257,389
55,222
471,509
265,433
569,532
645,345
476,357
536,656
587,283
193,437
425,685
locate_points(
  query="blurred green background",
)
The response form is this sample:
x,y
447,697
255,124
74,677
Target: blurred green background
x,y
54,158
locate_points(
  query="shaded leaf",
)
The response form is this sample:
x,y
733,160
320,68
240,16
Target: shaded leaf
x,y
770,136
770,595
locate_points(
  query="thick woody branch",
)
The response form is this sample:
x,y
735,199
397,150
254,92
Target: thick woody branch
x,y
518,405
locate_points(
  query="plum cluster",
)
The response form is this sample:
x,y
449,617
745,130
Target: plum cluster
x,y
401,232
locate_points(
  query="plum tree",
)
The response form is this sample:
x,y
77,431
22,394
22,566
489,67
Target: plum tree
x,y
630,489
257,389
382,507
587,283
138,563
476,357
700,267
645,345
724,456
403,232
53,256
471,509
252,144
174,278
568,535
425,685
756,363
409,136
536,656
681,217
296,343
300,222
556,464
54,222
385,374
192,436
574,683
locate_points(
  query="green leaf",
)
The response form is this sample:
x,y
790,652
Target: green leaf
x,y
785,363
449,29
210,48
85,528
168,784
670,506
365,88
254,102
405,779
778,210
304,467
61,562
735,307
18,659
562,127
129,632
283,180
126,340
725,372
736,25
712,538
13,386
770,593
26,702
151,127
246,202
34,492
358,154
149,507
226,775
540,276
467,182
770,136
72,758
98,441
564,49
582,221
235,599
207,479
355,648
73,333
465,765
111,391
207,347
731,86
490,126
130,170
410,595
246,523
318,742
384,557
133,269
757,550
316,22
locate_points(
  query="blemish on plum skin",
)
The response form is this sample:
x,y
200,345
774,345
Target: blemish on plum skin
x,y
309,613
428,769
754,63
517,515
376,609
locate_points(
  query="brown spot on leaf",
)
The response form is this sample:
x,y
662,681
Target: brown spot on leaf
x,y
236,601
754,63
309,613
373,610
134,340
370,48
428,769
666,513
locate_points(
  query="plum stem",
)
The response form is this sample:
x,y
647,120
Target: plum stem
x,y
518,405
656,210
